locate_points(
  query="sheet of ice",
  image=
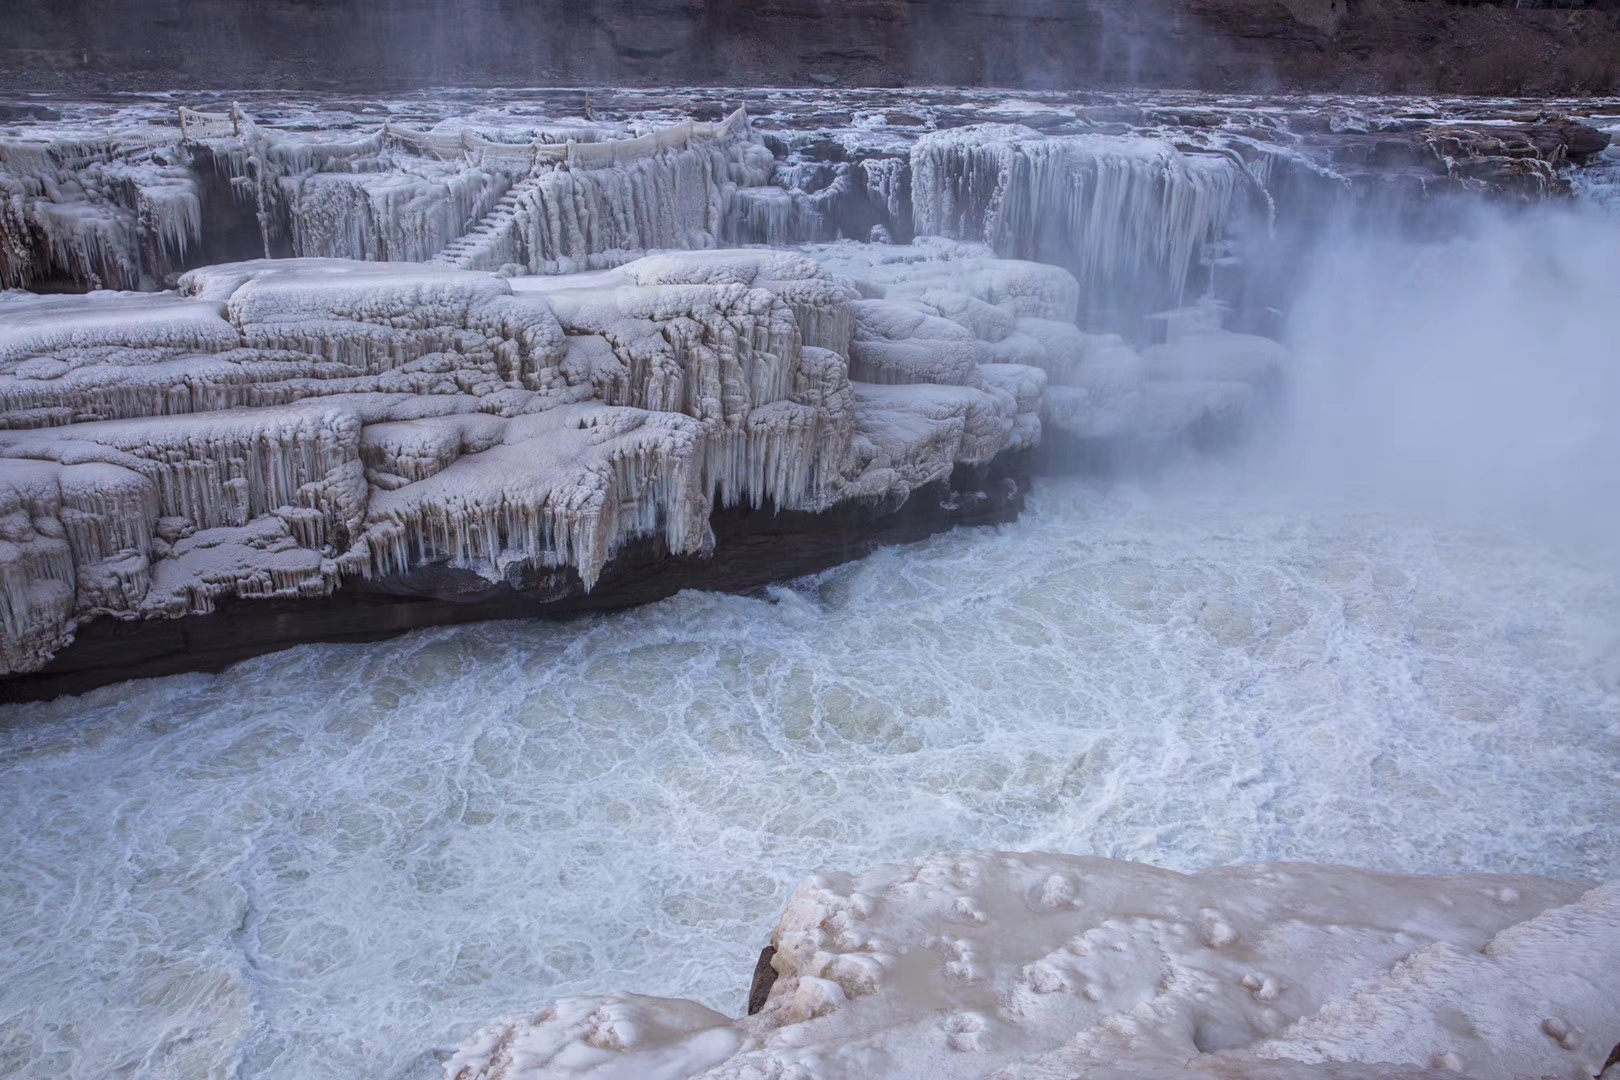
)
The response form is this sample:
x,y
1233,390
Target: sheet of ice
x,y
1046,966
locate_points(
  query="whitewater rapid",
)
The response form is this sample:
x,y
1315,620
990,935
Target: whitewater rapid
x,y
339,860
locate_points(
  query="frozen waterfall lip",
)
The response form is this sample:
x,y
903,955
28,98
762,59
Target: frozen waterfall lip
x,y
1045,965
125,194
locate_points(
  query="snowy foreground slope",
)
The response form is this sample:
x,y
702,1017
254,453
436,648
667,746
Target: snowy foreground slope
x,y
1051,967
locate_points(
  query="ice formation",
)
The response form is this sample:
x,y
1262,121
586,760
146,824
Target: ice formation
x,y
277,425
1129,215
1048,967
110,210
457,349
977,314
126,209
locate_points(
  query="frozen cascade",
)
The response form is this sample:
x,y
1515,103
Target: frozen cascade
x,y
277,425
603,202
395,216
116,212
125,210
1128,214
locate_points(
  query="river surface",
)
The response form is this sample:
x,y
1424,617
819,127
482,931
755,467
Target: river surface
x,y
339,860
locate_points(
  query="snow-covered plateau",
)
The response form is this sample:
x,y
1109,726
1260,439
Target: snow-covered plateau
x,y
1330,719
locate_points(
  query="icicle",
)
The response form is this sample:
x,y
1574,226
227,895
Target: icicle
x,y
1124,213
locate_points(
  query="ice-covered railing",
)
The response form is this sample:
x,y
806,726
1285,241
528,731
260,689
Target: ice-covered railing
x,y
202,125
584,153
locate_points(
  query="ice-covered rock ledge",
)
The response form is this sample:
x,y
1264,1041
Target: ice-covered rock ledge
x,y
304,432
1054,967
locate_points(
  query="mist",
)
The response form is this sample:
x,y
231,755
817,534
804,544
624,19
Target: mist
x,y
1472,377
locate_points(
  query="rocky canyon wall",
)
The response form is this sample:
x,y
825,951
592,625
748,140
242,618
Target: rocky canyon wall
x,y
1418,46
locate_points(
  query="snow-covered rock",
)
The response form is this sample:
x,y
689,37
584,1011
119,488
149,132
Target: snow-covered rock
x,y
942,311
1049,967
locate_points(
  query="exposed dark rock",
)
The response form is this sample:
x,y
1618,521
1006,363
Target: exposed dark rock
x,y
764,979
1412,46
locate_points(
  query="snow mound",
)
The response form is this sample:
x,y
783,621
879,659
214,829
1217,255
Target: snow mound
x,y
1040,967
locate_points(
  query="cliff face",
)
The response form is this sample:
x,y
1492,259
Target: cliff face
x,y
1551,46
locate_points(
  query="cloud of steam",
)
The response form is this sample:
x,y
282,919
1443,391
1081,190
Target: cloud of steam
x,y
1476,377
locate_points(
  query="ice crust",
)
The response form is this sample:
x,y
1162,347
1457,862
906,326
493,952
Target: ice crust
x,y
1048,967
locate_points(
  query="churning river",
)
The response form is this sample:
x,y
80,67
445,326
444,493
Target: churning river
x,y
334,861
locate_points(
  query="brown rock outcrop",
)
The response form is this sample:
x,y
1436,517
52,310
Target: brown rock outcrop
x,y
1416,46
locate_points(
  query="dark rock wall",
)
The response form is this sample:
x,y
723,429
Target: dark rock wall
x,y
1538,46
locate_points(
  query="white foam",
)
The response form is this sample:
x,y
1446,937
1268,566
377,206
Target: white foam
x,y
334,860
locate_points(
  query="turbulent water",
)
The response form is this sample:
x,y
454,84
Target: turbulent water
x,y
334,861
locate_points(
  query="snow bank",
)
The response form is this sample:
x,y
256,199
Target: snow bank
x,y
1053,966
